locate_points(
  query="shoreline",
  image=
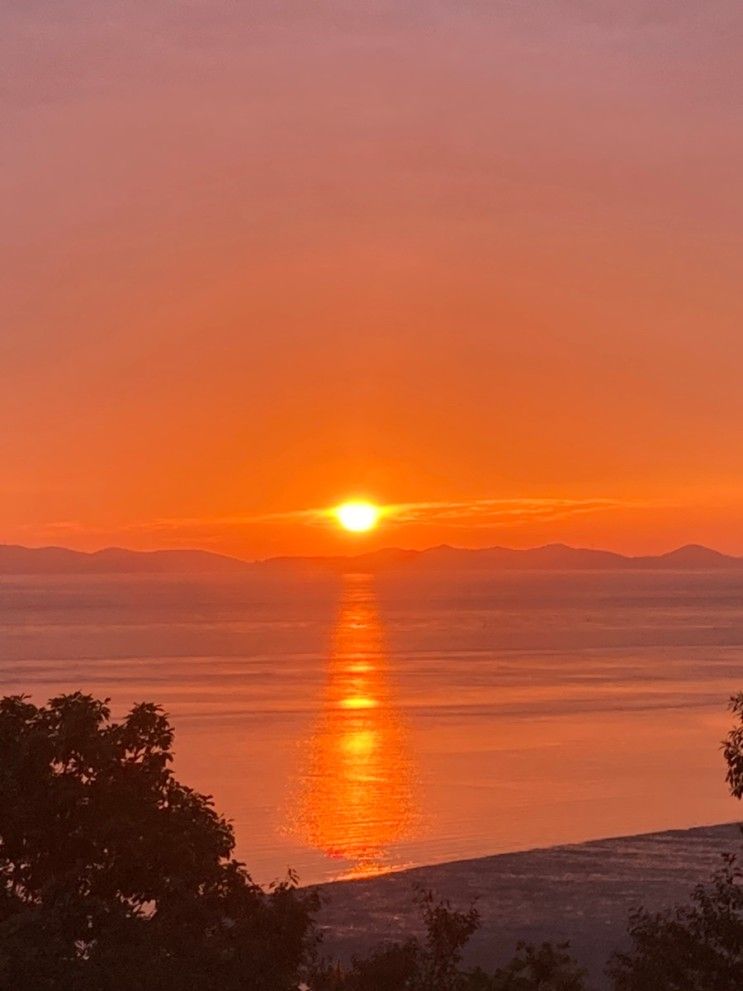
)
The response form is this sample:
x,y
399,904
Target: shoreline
x,y
581,893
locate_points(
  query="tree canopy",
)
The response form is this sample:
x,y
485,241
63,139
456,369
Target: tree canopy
x,y
115,875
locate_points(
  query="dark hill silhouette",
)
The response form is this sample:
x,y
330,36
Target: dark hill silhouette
x,y
16,560
551,557
692,555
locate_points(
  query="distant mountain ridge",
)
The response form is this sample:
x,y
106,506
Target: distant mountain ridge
x,y
17,560
550,557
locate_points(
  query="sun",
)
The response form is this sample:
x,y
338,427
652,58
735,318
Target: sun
x,y
358,517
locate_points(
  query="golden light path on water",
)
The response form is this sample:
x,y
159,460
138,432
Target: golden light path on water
x,y
357,791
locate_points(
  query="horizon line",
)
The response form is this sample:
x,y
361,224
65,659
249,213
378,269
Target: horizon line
x,y
553,545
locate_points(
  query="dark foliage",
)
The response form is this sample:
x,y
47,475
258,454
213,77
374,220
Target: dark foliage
x,y
431,965
394,967
115,875
543,968
733,749
434,964
699,946
695,947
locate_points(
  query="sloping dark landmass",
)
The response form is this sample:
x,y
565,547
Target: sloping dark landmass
x,y
582,893
552,557
15,560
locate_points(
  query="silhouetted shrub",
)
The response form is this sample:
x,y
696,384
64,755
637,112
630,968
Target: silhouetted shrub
x,y
699,946
396,967
115,875
434,964
733,749
695,947
543,968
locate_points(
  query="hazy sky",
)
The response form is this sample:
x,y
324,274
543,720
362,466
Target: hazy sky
x,y
259,255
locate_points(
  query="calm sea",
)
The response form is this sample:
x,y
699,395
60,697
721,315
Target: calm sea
x,y
352,726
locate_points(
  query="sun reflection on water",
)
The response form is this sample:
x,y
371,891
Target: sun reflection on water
x,y
356,800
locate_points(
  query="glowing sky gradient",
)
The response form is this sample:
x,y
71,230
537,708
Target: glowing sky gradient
x,y
262,257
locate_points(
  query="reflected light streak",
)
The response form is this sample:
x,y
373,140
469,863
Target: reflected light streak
x,y
358,702
356,794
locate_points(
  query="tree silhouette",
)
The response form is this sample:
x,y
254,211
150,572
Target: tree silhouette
x,y
534,968
733,749
695,947
699,946
435,963
115,875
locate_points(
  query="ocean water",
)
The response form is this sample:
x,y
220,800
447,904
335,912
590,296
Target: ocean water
x,y
351,726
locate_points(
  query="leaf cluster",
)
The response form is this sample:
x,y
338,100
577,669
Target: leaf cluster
x,y
115,875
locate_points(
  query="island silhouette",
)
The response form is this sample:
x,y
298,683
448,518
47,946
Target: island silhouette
x,y
18,560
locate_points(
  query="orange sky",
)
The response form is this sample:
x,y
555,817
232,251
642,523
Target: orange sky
x,y
257,257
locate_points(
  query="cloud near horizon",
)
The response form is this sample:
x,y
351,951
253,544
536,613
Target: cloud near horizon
x,y
463,514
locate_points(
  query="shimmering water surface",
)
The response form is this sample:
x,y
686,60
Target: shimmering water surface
x,y
354,725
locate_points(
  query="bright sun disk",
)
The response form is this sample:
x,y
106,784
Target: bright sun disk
x,y
357,516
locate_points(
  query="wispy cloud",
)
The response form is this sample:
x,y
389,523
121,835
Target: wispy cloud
x,y
502,512
464,514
